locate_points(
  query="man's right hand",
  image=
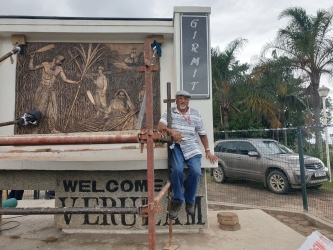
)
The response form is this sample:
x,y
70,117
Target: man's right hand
x,y
177,137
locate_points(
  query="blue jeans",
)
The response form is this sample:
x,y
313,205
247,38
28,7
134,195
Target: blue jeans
x,y
177,175
17,194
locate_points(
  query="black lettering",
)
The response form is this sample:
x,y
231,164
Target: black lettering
x,y
84,184
124,216
108,186
199,210
86,201
166,221
67,217
198,213
158,186
94,188
130,186
86,220
69,185
105,204
86,216
140,186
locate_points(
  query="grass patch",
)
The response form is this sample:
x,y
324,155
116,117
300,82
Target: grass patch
x,y
327,186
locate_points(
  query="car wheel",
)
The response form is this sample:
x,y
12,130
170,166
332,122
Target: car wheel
x,y
277,182
219,175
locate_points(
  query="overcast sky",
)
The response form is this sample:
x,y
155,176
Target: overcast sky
x,y
255,20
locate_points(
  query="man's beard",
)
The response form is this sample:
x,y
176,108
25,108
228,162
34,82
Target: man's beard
x,y
183,106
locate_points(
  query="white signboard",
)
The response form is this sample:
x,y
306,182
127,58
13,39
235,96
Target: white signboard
x,y
317,241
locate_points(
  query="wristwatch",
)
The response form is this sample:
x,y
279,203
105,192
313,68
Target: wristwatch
x,y
207,149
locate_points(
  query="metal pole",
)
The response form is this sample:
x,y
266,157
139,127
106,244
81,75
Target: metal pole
x,y
68,210
150,146
328,164
302,168
13,52
0,206
95,138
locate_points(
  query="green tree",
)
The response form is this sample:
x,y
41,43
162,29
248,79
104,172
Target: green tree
x,y
227,72
289,91
306,41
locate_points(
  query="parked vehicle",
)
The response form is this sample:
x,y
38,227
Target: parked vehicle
x,y
267,161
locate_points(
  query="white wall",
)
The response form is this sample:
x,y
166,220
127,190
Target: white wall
x,y
91,31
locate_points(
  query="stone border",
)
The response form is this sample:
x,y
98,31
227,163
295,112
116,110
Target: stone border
x,y
305,215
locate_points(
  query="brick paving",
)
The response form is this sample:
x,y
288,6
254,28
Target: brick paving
x,y
288,209
302,225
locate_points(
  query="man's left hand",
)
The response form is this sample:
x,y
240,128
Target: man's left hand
x,y
211,157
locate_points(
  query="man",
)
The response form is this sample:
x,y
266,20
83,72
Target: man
x,y
100,94
45,97
186,123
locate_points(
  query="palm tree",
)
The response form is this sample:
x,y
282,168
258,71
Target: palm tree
x,y
227,71
306,41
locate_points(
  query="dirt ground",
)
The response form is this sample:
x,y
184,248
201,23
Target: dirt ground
x,y
234,191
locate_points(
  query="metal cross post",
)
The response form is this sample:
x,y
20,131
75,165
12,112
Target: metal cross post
x,y
148,69
168,101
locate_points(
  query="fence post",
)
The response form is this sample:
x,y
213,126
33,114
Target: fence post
x,y
302,168
36,194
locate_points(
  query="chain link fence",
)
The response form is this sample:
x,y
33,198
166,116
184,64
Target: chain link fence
x,y
263,168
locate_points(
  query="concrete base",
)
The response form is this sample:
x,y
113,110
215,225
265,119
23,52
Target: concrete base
x,y
121,189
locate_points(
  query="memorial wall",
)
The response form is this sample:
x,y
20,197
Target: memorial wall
x,y
83,75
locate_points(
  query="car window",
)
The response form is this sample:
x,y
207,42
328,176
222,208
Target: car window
x,y
245,147
229,147
218,147
287,150
269,147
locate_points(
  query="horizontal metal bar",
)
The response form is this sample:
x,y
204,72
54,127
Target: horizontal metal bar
x,y
68,210
58,139
160,195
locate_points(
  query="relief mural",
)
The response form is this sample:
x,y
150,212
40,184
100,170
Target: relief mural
x,y
82,87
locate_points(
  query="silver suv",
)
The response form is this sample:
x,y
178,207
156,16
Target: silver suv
x,y
266,161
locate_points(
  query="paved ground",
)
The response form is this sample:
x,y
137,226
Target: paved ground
x,y
303,223
283,213
258,231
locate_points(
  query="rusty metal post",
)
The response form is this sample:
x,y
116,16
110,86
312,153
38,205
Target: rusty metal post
x,y
168,101
150,146
161,194
68,210
0,206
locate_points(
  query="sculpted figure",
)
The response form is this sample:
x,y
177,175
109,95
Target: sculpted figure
x,y
100,94
45,97
122,113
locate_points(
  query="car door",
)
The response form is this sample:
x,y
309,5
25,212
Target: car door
x,y
226,151
247,167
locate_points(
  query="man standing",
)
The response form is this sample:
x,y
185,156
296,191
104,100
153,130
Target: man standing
x,y
45,97
100,94
186,123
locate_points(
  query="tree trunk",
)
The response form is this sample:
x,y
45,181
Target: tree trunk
x,y
316,110
226,117
221,116
285,138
